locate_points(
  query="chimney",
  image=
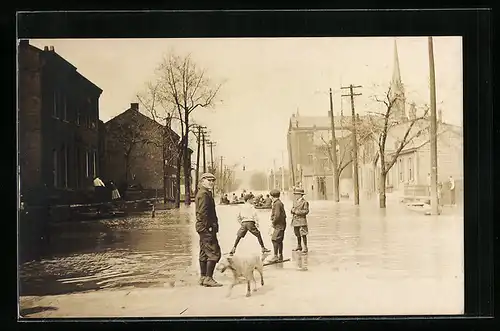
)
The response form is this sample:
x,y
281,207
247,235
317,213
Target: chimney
x,y
46,48
51,48
134,106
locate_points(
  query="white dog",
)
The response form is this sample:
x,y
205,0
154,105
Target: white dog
x,y
243,267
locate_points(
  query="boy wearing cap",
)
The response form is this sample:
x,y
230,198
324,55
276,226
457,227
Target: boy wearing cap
x,y
249,223
299,212
207,226
278,221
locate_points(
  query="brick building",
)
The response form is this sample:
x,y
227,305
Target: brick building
x,y
309,138
58,126
139,150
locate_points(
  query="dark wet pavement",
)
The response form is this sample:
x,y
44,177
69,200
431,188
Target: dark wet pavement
x,y
141,251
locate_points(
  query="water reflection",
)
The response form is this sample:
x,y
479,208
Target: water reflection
x,y
135,251
144,251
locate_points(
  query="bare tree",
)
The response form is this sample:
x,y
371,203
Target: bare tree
x,y
186,87
161,112
130,137
382,124
344,154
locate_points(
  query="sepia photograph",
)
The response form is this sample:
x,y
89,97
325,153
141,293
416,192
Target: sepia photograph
x,y
230,177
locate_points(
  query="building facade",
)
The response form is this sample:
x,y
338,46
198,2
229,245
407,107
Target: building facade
x,y
58,126
309,144
140,151
410,173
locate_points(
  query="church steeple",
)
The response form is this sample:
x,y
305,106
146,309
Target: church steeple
x,y
397,87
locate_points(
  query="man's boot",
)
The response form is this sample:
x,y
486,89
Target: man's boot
x,y
299,244
203,272
280,251
304,239
209,280
261,242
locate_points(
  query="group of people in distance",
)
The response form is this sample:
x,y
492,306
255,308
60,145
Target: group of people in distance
x,y
207,226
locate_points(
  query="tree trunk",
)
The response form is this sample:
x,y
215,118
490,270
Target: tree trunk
x,y
178,183
336,188
187,165
381,189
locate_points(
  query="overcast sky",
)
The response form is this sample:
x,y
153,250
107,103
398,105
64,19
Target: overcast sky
x,y
266,80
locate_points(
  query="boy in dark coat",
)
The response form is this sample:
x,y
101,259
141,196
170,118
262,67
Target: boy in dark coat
x,y
278,221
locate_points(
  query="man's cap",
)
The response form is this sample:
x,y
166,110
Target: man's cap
x,y
207,175
274,193
299,191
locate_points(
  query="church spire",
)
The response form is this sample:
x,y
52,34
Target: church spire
x,y
397,87
397,84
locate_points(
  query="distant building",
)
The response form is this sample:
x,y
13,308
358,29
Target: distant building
x,y
309,141
409,174
140,151
58,126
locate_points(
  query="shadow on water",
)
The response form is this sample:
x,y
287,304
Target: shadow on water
x,y
135,251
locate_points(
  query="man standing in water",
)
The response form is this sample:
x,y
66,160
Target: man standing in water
x,y
207,226
299,212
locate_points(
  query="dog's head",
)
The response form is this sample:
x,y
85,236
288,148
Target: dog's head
x,y
225,263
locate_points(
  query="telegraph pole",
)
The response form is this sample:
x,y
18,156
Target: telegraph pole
x,y
204,154
282,172
434,175
336,197
198,139
221,174
354,141
274,173
211,144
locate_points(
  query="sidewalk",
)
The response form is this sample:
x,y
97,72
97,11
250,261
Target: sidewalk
x,y
286,292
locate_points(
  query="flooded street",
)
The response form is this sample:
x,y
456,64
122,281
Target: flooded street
x,y
141,251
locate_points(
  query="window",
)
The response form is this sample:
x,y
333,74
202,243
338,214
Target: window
x,y
78,116
65,107
64,166
94,165
310,159
401,173
55,109
410,169
87,164
54,167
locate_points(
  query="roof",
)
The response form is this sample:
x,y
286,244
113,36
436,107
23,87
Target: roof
x,y
131,111
320,122
52,52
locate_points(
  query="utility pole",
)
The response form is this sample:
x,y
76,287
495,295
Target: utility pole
x,y
211,144
198,140
274,173
221,176
434,175
336,196
268,175
354,141
282,172
204,154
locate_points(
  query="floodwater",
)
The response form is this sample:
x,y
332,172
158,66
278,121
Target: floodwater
x,y
141,251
